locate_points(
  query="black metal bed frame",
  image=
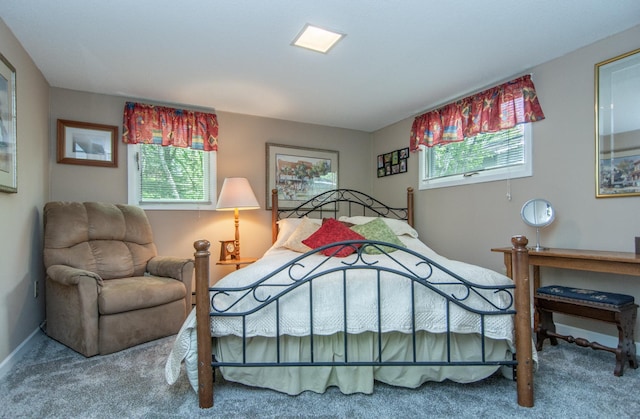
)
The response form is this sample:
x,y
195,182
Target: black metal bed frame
x,y
301,272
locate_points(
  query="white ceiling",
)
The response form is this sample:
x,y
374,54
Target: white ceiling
x,y
400,57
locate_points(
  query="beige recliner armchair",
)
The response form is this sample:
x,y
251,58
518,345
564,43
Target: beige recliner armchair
x,y
106,288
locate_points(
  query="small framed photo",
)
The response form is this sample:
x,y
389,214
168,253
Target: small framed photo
x,y
87,144
395,159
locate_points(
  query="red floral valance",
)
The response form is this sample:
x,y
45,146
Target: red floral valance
x,y
492,110
150,124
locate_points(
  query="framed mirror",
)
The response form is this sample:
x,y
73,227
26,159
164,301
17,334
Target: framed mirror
x,y
617,110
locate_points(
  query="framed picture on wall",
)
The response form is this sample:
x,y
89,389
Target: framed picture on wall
x,y
617,130
299,173
392,163
87,144
8,139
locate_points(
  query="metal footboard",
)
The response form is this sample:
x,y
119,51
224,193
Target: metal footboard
x,y
304,272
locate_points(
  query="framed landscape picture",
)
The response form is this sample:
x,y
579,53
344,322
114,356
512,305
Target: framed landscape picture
x,y
299,173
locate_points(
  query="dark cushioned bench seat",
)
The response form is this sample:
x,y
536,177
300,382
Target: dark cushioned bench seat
x,y
619,309
586,296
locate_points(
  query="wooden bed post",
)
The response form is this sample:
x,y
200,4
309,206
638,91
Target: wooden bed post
x,y
274,215
520,263
205,371
410,206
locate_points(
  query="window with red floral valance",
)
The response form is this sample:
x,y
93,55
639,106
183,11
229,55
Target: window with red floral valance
x,y
495,109
171,157
162,125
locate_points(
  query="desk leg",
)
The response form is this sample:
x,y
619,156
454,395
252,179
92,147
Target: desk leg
x,y
507,264
536,285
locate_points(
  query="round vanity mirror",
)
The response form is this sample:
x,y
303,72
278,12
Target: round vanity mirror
x,y
538,213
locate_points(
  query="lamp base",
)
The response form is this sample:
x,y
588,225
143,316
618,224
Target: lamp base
x,y
537,248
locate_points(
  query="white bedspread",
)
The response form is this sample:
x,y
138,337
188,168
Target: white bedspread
x,y
395,304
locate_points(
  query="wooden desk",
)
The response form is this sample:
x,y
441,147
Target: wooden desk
x,y
625,263
237,262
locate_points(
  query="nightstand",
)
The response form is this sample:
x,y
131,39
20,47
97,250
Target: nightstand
x,y
237,262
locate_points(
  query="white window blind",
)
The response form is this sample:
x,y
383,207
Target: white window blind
x,y
171,177
486,157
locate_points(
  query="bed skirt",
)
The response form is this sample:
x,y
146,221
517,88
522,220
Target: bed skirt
x,y
396,346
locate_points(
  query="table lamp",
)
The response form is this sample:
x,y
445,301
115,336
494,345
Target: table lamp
x,y
236,194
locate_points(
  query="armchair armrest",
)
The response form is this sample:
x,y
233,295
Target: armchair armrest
x,y
171,267
72,307
67,275
180,269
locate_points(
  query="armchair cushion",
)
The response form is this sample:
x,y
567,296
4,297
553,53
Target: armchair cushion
x,y
135,293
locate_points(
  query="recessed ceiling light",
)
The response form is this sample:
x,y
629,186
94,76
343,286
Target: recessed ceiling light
x,y
317,39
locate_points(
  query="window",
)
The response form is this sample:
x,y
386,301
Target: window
x,y
479,138
167,177
484,158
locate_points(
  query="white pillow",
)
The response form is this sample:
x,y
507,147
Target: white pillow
x,y
287,226
399,227
306,228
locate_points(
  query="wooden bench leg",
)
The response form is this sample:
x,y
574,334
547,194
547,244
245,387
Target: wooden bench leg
x,y
626,350
545,324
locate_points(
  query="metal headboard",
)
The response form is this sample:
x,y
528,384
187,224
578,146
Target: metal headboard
x,y
338,202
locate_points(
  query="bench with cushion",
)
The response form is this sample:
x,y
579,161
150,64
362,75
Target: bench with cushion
x,y
619,309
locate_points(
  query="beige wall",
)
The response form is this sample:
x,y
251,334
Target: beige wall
x,y
465,222
241,153
20,213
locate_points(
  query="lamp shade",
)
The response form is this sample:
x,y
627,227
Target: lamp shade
x,y
236,193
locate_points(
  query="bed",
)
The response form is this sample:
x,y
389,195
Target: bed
x,y
325,307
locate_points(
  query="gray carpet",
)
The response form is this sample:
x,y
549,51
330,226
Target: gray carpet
x,y
52,381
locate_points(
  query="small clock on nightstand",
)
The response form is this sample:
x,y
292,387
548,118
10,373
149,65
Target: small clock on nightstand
x,y
227,250
228,255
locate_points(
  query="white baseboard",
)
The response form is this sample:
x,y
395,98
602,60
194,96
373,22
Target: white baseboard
x,y
606,340
15,356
